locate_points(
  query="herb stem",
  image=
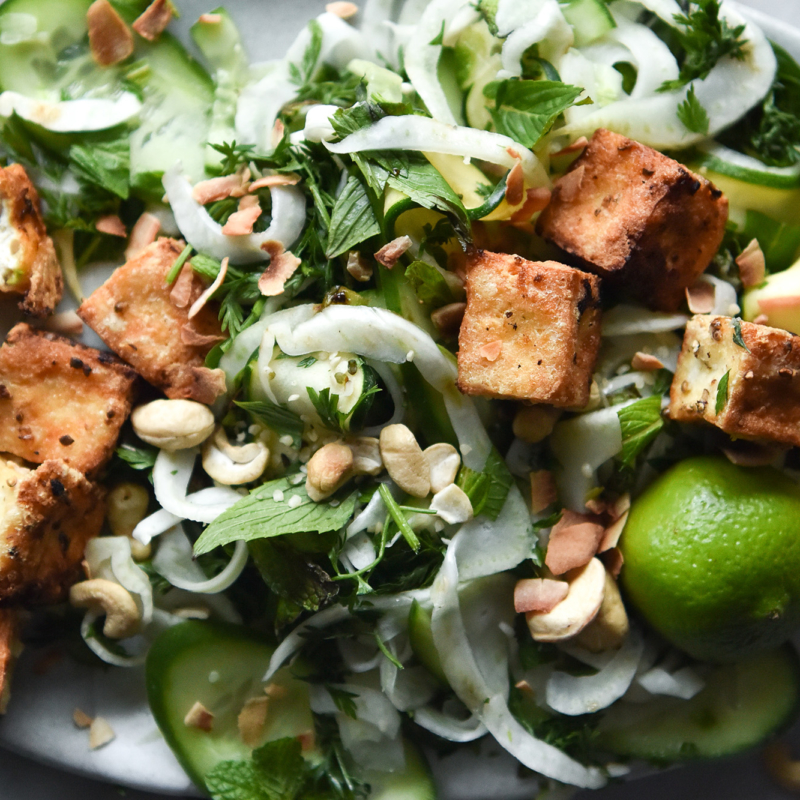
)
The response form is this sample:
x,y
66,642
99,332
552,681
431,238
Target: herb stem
x,y
399,518
178,265
385,650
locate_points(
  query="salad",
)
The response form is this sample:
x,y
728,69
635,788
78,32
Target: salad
x,y
433,359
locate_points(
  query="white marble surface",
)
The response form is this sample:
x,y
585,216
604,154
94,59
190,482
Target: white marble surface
x,y
734,779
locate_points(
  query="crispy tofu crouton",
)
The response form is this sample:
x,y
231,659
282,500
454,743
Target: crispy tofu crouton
x,y
531,330
28,262
640,220
48,516
61,400
146,322
759,399
10,648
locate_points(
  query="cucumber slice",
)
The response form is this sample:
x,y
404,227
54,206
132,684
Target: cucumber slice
x,y
742,705
733,164
221,667
414,783
420,637
590,19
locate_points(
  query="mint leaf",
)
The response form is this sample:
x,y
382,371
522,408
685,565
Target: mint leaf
x,y
487,490
738,339
692,114
140,458
260,516
641,422
104,164
526,110
235,780
722,392
429,284
283,766
353,219
280,419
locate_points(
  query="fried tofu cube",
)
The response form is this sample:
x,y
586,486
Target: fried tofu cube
x,y
146,322
743,378
636,218
10,648
48,516
28,262
61,400
531,330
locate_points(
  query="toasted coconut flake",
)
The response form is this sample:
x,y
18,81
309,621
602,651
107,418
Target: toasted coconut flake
x,y
270,181
573,542
700,297
645,362
536,200
154,20
515,185
100,733
181,292
612,533
342,9
768,304
596,505
447,319
578,144
81,718
191,336
215,189
278,132
491,351
570,185
112,225
206,296
543,490
144,233
199,717
110,39
359,267
538,594
620,506
67,323
282,265
209,384
210,19
241,222
252,719
613,560
390,253
752,265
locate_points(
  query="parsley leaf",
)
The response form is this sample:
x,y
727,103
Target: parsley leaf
x,y
326,404
343,700
353,219
104,164
280,419
487,490
233,155
722,392
301,74
526,110
704,39
259,515
738,339
641,422
429,284
692,114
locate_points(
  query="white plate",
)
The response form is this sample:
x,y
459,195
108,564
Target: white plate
x,y
39,725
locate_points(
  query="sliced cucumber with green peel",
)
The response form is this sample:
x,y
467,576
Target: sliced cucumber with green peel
x,y
414,783
724,161
590,19
220,666
742,705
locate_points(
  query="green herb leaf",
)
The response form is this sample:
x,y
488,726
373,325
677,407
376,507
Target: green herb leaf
x,y
738,339
641,422
722,392
303,73
353,219
260,516
306,362
104,164
399,518
429,284
343,700
439,38
280,419
140,458
526,110
487,490
175,269
692,114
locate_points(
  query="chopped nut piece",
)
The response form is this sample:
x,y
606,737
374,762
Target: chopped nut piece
x,y
700,297
404,460
390,253
538,594
640,220
573,542
752,265
100,733
547,318
329,468
646,362
765,405
359,267
154,20
241,222
515,185
198,716
444,461
612,533
452,505
342,9
252,719
110,39
144,233
81,718
282,265
543,490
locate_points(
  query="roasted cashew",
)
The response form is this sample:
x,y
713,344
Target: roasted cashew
x,y
116,602
127,505
444,461
404,460
366,455
608,630
328,469
233,464
173,424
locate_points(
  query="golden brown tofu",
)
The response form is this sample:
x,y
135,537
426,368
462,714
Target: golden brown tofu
x,y
48,516
146,322
28,262
531,330
759,398
60,399
640,220
10,647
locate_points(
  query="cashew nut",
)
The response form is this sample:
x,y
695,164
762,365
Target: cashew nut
x,y
173,424
607,631
328,469
452,504
116,602
233,464
534,423
576,610
366,455
444,461
127,506
404,460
